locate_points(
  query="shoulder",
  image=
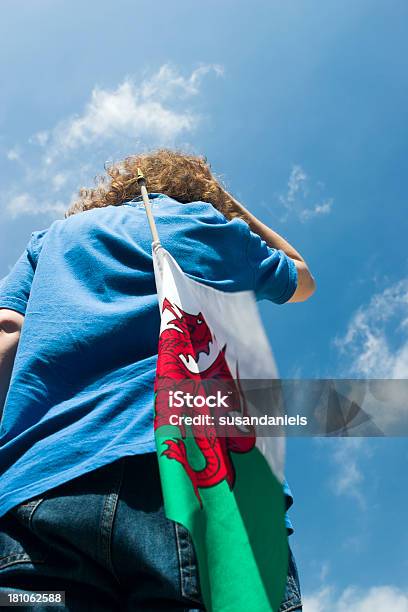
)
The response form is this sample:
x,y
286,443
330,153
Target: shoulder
x,y
207,213
196,210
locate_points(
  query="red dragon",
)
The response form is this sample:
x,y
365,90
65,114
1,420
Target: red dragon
x,y
183,339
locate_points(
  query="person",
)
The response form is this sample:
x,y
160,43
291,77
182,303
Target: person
x,y
80,503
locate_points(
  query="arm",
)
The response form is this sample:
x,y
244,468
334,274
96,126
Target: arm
x,y
306,283
11,323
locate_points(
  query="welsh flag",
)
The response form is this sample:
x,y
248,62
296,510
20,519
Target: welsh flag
x,y
223,482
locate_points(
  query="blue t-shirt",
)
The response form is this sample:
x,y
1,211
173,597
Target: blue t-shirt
x,y
81,393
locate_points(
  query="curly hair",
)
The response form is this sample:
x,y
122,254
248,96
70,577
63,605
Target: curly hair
x,y
183,177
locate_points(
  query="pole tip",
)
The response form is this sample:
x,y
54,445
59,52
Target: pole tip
x,y
140,175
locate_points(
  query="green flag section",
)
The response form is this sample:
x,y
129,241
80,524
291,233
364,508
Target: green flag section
x,y
224,484
239,536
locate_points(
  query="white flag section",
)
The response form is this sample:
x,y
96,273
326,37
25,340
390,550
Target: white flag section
x,y
226,488
233,320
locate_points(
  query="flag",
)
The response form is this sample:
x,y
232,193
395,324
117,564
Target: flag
x,y
221,481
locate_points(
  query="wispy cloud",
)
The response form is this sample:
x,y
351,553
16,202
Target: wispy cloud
x,y
374,349
324,208
13,154
167,82
114,122
59,180
374,599
375,344
304,199
40,138
348,477
324,571
131,111
24,203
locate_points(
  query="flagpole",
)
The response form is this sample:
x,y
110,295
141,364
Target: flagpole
x,y
141,181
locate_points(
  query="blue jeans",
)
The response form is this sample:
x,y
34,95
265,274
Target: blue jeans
x,y
103,538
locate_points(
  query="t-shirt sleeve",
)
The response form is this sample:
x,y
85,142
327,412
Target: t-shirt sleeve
x,y
15,287
275,274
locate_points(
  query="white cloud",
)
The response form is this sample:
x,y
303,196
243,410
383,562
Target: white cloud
x,y
376,341
301,195
167,82
296,186
121,112
24,203
324,571
13,155
319,209
132,111
59,180
375,599
40,138
113,123
347,479
374,349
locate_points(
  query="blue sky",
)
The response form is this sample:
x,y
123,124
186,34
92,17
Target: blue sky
x,y
300,107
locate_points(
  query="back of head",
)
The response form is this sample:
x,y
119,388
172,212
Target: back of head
x,y
183,177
